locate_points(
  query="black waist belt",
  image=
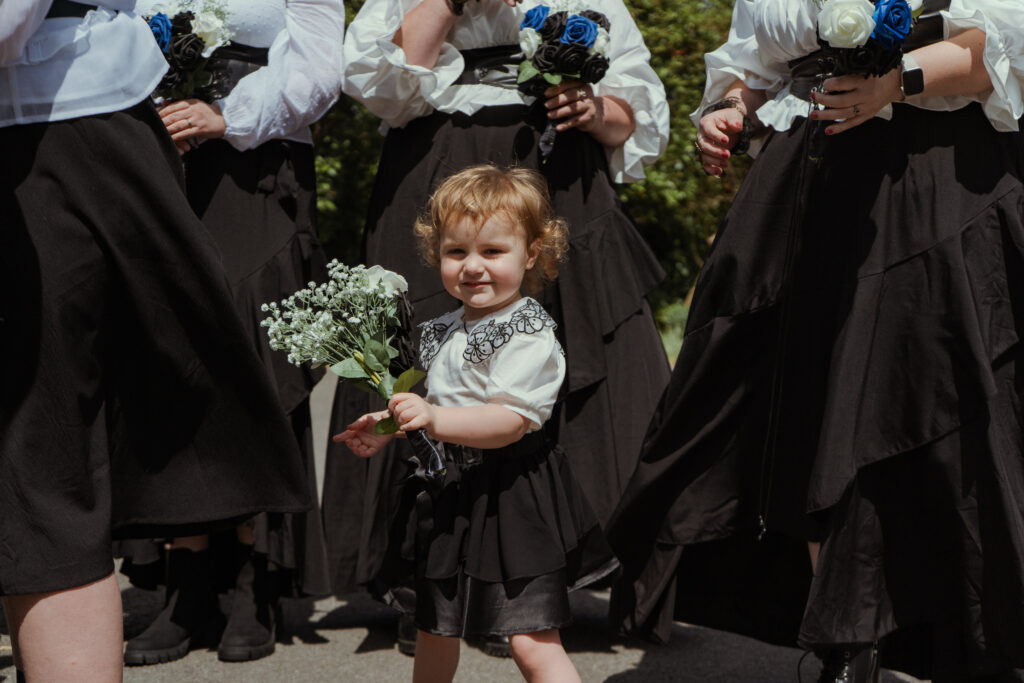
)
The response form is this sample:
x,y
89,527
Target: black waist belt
x,y
807,70
497,66
242,53
65,8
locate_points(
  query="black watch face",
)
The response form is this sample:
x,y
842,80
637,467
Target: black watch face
x,y
913,81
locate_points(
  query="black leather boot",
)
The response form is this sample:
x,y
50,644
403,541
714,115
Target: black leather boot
x,y
252,623
406,635
496,646
190,617
854,663
19,675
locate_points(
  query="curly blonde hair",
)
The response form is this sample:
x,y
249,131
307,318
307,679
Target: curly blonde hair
x,y
480,192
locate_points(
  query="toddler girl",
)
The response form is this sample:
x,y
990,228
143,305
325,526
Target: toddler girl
x,y
497,544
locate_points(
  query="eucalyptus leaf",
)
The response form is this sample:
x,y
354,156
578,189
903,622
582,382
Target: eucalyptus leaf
x,y
386,426
349,369
408,379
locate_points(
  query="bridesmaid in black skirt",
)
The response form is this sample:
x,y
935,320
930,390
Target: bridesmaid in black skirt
x,y
444,84
851,374
130,391
249,174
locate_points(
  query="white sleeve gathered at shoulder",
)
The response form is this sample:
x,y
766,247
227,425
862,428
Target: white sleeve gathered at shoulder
x,y
301,81
525,375
740,58
377,73
1003,24
631,78
19,19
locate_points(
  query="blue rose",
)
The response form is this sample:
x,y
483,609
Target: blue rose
x,y
535,18
160,25
893,21
579,30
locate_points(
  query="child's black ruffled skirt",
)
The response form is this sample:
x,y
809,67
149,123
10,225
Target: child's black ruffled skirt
x,y
496,547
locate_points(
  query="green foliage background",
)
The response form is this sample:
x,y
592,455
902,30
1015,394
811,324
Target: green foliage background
x,y
677,207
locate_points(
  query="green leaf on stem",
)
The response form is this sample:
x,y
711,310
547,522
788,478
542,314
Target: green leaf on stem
x,y
408,379
349,369
526,71
386,426
375,355
553,79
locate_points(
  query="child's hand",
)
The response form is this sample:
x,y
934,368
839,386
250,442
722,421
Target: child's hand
x,y
411,412
360,438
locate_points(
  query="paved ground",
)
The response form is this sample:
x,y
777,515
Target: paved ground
x,y
353,640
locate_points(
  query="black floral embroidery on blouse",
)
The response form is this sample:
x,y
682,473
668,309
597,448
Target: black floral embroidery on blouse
x,y
484,340
432,336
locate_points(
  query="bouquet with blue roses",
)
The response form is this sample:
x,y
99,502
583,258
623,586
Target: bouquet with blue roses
x,y
188,32
866,37
561,40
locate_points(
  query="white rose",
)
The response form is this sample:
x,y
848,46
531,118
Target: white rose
x,y
211,31
393,282
601,43
846,23
529,40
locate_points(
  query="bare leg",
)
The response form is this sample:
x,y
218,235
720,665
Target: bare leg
x,y
814,548
437,658
542,659
194,543
70,635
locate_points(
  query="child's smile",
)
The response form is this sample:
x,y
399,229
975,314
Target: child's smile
x,y
483,264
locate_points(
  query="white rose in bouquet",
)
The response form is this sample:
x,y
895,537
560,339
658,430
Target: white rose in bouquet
x,y
211,30
393,282
529,40
846,23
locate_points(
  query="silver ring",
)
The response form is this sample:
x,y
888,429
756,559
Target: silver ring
x,y
189,122
581,94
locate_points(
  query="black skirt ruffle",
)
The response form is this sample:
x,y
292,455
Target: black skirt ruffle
x,y
130,388
260,208
496,546
869,316
616,364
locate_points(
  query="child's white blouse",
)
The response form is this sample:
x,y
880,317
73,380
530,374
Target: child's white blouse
x,y
510,358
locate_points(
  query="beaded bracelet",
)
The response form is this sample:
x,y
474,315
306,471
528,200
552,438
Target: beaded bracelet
x,y
743,142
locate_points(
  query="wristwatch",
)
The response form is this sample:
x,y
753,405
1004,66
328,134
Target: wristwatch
x,y
911,77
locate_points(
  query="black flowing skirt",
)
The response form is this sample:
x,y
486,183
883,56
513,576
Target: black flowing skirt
x,y
130,390
851,374
496,547
616,364
260,208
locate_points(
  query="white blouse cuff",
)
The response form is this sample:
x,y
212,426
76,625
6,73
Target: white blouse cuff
x,y
1004,60
432,83
649,139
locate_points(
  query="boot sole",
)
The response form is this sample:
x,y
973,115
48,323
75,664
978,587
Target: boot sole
x,y
407,647
245,653
496,649
147,657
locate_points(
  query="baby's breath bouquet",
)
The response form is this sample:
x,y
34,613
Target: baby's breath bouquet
x,y
354,324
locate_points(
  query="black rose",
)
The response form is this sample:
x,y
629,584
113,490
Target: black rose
x,y
593,69
171,80
553,26
181,23
569,58
186,52
598,18
545,58
534,87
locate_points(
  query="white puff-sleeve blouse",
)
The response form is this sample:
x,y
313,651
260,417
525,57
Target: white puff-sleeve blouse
x,y
302,78
766,34
378,75
509,358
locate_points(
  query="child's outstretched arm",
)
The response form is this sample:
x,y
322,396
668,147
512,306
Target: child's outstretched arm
x,y
360,437
488,426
